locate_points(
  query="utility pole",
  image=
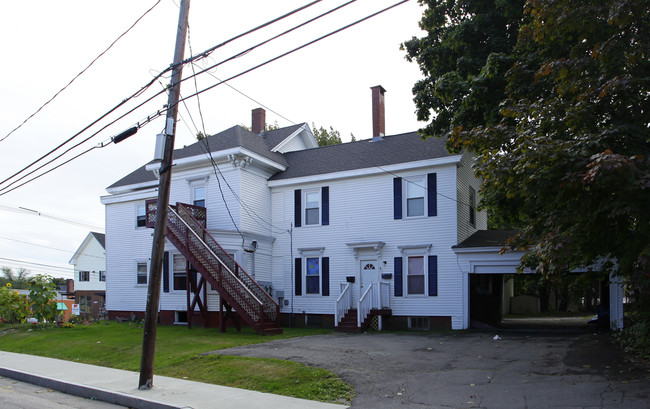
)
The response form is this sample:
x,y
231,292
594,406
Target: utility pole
x,y
160,229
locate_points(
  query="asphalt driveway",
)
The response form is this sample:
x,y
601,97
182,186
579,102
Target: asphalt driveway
x,y
471,369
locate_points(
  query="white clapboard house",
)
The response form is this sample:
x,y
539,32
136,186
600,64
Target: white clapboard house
x,y
266,227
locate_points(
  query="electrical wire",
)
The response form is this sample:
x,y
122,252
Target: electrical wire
x,y
290,51
209,51
23,210
80,73
192,95
253,99
36,264
139,92
50,248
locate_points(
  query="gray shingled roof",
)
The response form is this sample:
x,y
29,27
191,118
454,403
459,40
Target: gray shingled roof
x,y
230,138
101,238
487,238
363,154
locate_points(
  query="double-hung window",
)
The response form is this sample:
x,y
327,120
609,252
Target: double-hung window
x,y
415,275
141,273
312,208
102,276
84,276
180,279
141,216
312,275
415,197
198,196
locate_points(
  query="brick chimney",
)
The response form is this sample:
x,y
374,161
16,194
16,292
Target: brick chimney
x,y
69,290
259,121
378,123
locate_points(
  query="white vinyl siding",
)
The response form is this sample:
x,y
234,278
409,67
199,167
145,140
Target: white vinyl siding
x,y
365,215
91,258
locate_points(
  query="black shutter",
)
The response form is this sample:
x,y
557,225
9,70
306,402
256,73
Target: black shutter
x,y
432,195
397,198
325,274
433,275
165,272
298,276
325,211
297,207
398,276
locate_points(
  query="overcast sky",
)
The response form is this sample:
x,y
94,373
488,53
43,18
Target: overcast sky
x,y
45,44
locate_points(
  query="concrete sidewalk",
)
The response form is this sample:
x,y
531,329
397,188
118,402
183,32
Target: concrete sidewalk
x,y
120,387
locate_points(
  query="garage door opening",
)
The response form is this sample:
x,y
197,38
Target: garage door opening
x,y
524,302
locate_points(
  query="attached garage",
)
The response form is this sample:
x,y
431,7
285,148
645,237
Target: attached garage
x,y
487,288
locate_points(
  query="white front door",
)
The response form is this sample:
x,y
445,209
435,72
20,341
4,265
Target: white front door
x,y
369,274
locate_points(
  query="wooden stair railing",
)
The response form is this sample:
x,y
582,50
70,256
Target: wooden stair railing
x,y
186,231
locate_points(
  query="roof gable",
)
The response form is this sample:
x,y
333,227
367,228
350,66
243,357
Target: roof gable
x,y
99,237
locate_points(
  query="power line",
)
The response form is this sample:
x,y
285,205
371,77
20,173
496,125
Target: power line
x,y
205,89
80,73
48,247
67,269
24,210
209,51
290,51
139,92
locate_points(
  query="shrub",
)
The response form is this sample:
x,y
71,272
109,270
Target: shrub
x,y
14,307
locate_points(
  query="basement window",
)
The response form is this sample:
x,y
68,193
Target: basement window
x,y
180,317
418,323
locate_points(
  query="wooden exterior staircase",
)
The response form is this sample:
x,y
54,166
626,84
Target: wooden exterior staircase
x,y
239,292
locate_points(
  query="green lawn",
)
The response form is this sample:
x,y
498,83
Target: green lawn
x,y
179,354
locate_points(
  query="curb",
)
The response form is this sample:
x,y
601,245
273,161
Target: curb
x,y
88,392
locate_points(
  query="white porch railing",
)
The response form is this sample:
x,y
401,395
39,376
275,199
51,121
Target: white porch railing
x,y
376,296
343,303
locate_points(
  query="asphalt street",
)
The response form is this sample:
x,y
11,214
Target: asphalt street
x,y
21,395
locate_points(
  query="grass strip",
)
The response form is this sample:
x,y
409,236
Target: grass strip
x,y
179,354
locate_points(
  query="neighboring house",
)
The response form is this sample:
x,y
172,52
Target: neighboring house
x,y
355,234
89,263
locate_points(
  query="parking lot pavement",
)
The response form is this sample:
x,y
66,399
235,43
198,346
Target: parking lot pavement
x,y
471,369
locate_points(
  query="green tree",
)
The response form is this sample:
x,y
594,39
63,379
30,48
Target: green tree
x,y
18,278
464,57
325,137
558,121
42,295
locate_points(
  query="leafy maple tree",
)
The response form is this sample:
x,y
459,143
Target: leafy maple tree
x,y
553,98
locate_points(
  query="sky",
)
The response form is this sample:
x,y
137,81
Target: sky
x,y
46,44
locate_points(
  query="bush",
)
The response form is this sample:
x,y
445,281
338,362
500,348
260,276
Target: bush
x,y
42,294
14,307
636,337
